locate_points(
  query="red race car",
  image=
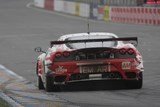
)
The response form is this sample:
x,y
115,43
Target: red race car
x,y
89,57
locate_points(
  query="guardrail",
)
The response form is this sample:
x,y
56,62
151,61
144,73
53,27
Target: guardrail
x,y
135,15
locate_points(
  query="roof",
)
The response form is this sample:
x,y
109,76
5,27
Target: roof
x,y
86,34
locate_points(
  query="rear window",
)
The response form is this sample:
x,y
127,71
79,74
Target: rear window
x,y
91,44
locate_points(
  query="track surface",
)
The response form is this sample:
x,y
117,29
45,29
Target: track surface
x,y
22,29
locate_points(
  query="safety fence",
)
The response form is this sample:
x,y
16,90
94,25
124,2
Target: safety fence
x,y
153,2
135,15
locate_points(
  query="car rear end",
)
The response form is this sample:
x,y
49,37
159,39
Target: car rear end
x,y
98,64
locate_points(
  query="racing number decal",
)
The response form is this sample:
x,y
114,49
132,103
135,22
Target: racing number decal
x,y
126,65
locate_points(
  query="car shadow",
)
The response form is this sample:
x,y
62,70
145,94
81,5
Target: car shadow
x,y
94,86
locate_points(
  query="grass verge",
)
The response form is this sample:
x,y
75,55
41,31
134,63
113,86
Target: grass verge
x,y
3,103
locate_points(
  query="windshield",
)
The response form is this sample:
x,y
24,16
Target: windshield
x,y
91,44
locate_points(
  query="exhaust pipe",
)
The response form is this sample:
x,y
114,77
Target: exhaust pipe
x,y
112,75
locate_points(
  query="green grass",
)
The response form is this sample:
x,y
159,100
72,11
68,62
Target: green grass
x,y
3,103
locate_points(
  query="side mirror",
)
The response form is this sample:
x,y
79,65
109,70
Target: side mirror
x,y
39,49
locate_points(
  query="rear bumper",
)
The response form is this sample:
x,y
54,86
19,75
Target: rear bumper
x,y
78,77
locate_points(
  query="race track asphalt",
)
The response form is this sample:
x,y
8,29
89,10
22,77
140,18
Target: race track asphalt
x,y
22,29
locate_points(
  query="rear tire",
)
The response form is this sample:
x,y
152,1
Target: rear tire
x,y
49,84
135,84
40,83
39,80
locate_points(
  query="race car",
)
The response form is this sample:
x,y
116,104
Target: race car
x,y
94,56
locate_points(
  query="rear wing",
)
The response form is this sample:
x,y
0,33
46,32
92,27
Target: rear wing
x,y
94,40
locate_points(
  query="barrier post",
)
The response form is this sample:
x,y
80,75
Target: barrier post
x,y
77,7
106,13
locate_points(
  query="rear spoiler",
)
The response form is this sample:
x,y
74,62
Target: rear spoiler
x,y
94,40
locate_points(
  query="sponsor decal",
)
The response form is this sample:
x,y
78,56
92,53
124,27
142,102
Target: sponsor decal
x,y
126,65
61,69
93,69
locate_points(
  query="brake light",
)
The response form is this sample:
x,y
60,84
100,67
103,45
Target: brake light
x,y
122,51
58,55
130,51
66,54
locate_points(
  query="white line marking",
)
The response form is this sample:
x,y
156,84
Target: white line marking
x,y
4,69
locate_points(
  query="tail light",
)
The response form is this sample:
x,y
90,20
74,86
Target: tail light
x,y
125,53
66,54
130,51
58,55
122,51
